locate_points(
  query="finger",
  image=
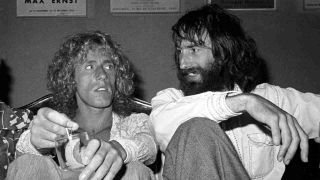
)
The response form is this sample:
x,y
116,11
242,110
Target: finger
x,y
274,120
104,168
52,127
45,144
112,163
94,163
42,138
275,131
285,137
115,168
304,143
294,142
90,151
57,118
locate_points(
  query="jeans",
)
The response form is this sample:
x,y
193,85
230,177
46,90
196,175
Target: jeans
x,y
201,150
29,166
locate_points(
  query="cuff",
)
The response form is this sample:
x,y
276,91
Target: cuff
x,y
220,110
119,148
24,144
129,148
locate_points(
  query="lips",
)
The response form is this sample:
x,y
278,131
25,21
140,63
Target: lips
x,y
191,74
101,88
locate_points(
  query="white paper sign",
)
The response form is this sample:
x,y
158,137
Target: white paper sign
x,y
246,4
35,8
144,6
312,4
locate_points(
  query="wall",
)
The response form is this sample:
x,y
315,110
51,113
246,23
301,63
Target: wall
x,y
288,38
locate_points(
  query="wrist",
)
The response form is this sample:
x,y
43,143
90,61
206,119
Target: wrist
x,y
122,152
238,103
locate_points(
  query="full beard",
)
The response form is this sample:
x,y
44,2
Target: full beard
x,y
211,80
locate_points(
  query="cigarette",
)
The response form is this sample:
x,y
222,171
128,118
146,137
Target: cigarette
x,y
68,134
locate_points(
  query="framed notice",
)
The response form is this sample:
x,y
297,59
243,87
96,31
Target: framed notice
x,y
311,4
47,8
246,4
144,6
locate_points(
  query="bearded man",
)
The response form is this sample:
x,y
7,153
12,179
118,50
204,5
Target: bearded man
x,y
221,77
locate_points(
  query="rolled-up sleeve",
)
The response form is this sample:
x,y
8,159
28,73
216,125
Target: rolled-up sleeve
x,y
170,108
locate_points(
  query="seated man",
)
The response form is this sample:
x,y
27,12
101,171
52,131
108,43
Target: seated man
x,y
91,82
218,69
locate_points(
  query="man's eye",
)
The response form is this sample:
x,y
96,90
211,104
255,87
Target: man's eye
x,y
109,66
89,67
195,49
178,50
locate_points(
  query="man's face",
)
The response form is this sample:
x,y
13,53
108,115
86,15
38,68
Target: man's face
x,y
193,58
95,80
198,72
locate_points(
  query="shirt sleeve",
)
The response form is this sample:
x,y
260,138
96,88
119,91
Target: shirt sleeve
x,y
24,145
136,137
305,107
170,108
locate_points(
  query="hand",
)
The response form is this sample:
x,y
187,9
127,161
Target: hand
x,y
103,160
284,127
47,125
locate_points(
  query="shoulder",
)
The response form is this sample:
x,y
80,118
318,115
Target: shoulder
x,y
265,88
137,116
169,94
170,91
131,117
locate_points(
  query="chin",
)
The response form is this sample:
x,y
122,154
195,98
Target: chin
x,y
102,103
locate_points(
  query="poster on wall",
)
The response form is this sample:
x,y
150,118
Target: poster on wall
x,y
45,8
245,4
144,6
311,4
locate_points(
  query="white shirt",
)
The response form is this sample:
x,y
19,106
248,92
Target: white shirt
x,y
256,151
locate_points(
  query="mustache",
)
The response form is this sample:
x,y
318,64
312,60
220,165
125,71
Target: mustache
x,y
185,72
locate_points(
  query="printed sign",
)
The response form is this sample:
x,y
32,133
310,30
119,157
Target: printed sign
x,y
311,4
35,8
246,4
144,6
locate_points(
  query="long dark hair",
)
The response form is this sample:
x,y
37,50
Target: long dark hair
x,y
234,51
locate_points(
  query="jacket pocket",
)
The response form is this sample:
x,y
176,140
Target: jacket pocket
x,y
261,155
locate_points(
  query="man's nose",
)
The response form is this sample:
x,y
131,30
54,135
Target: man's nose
x,y
100,73
185,61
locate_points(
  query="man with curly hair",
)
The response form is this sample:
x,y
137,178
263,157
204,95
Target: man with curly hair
x,y
221,76
91,82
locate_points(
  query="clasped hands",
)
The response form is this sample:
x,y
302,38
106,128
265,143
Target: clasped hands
x,y
103,159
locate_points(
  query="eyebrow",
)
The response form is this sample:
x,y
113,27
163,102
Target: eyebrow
x,y
193,45
94,61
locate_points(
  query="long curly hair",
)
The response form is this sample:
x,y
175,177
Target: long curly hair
x,y
234,51
61,72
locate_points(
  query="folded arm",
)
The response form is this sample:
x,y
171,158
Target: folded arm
x,y
171,108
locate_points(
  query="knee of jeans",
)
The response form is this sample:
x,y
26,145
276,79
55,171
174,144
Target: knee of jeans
x,y
25,159
34,160
136,170
31,157
199,123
